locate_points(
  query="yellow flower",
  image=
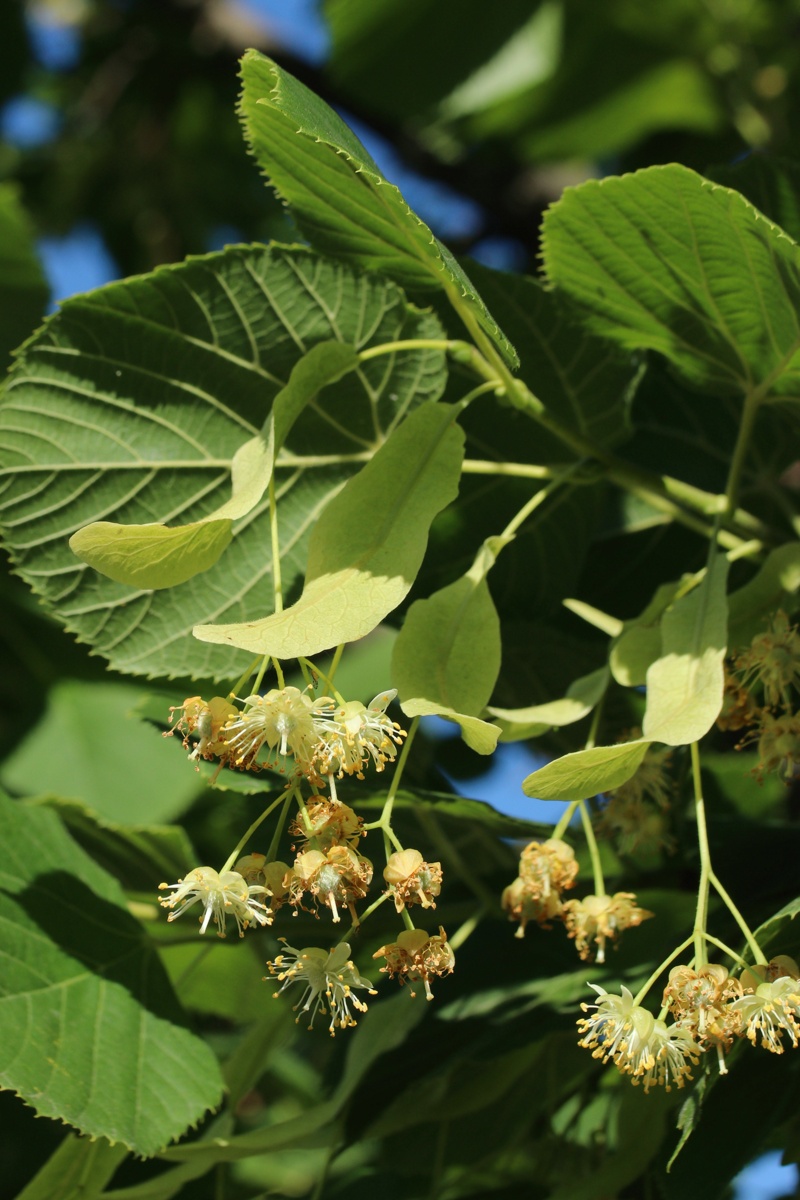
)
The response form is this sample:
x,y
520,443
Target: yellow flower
x,y
522,906
548,866
329,980
340,876
600,919
329,822
351,736
222,895
700,1002
412,880
770,1011
636,1042
282,720
417,955
205,719
772,661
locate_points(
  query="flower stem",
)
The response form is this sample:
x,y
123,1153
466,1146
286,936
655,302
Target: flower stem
x,y
565,819
701,909
466,929
232,857
409,344
749,937
640,995
278,830
725,948
277,584
386,813
240,682
594,852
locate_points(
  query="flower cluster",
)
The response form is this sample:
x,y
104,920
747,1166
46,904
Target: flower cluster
x,y
417,956
710,1010
289,730
634,814
546,869
222,896
761,687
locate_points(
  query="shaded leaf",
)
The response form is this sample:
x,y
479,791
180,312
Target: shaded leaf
x,y
665,260
338,196
480,736
23,290
774,586
639,644
83,989
367,547
79,1170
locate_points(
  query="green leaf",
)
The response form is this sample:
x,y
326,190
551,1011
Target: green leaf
x,y
770,932
639,644
585,384
775,586
91,1033
91,746
151,556
337,194
367,547
480,736
586,772
133,403
665,260
536,719
771,183
23,289
685,685
448,650
133,854
78,1170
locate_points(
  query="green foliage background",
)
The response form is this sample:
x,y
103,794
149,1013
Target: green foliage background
x,y
654,314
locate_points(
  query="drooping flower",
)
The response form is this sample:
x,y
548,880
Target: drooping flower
x,y
221,896
600,919
638,1044
328,822
281,720
522,906
772,662
700,1001
771,1011
273,876
412,880
417,955
329,980
352,735
205,719
337,878
548,866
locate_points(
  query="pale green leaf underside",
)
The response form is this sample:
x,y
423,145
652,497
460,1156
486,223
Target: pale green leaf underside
x,y
338,196
685,685
155,556
639,644
448,650
581,697
131,404
151,556
82,989
368,545
586,772
665,260
480,736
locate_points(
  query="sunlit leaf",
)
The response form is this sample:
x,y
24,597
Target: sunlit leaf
x,y
366,548
586,772
340,199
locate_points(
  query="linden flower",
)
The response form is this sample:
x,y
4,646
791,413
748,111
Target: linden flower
x,y
412,880
329,981
771,1011
352,735
523,907
329,822
272,876
773,661
636,1042
222,895
600,919
282,720
700,1001
337,877
548,866
779,746
418,955
205,719
651,780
